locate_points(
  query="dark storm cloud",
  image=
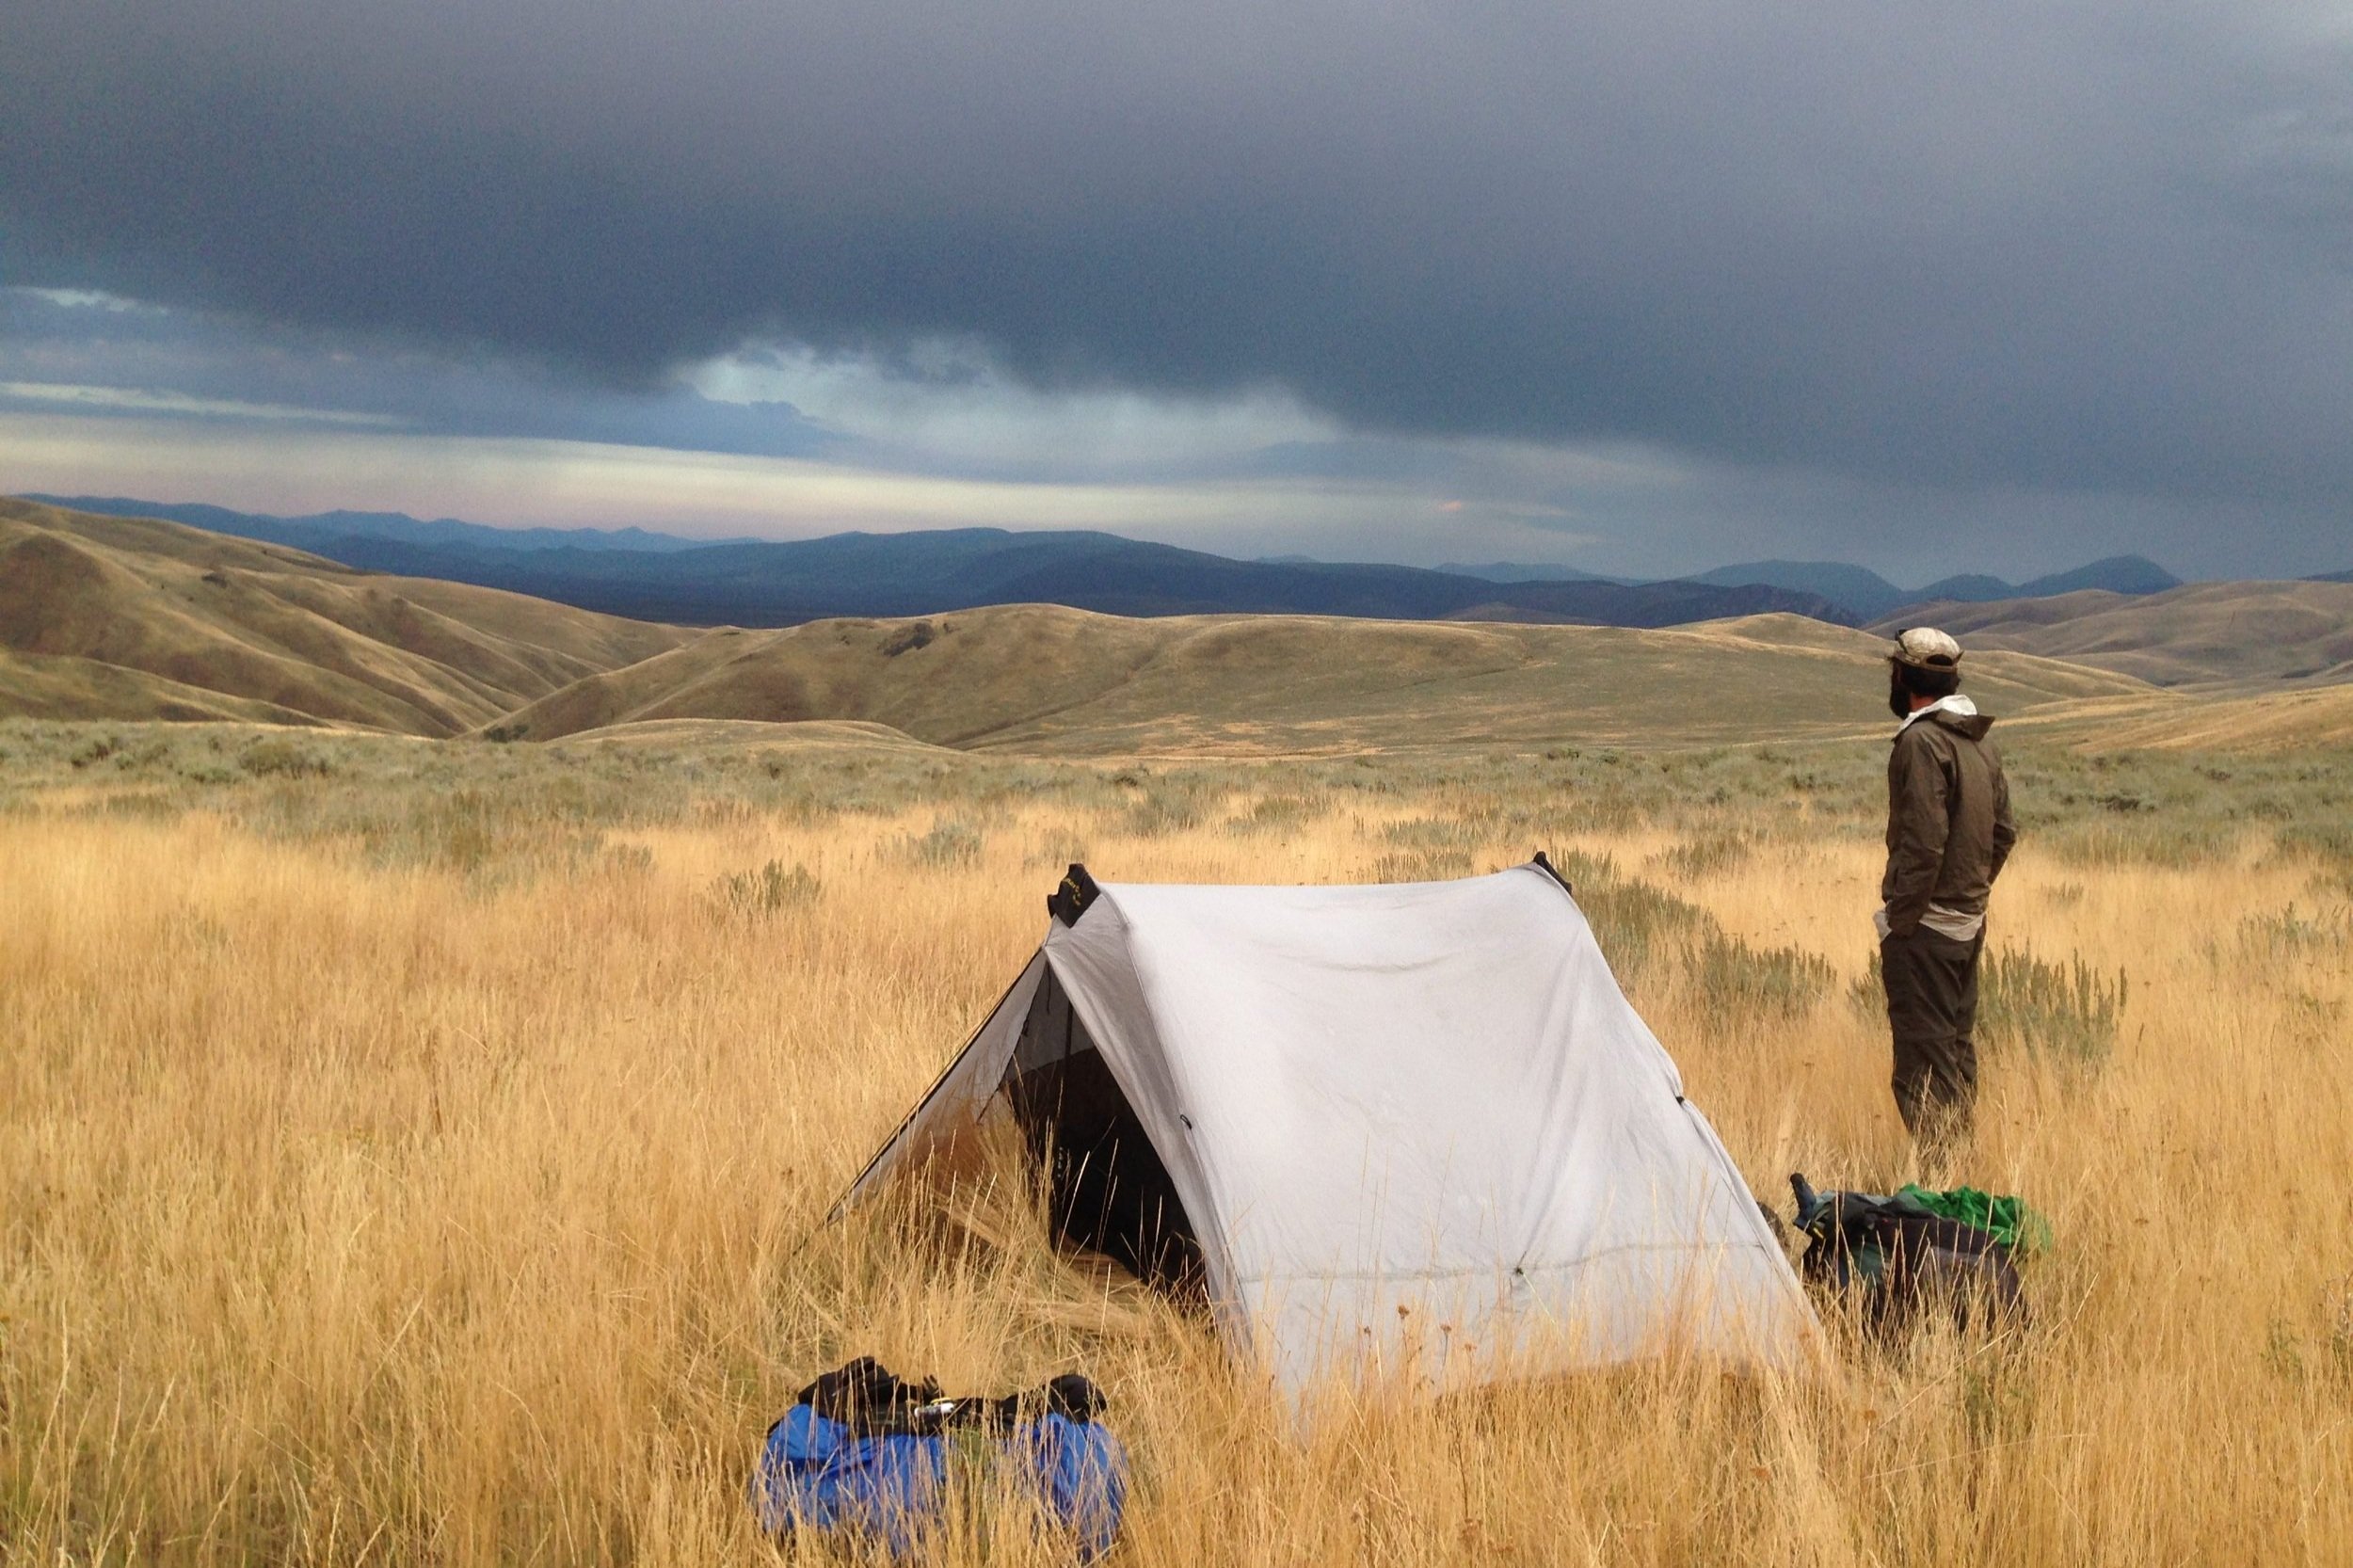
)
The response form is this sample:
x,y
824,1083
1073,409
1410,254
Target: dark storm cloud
x,y
2096,247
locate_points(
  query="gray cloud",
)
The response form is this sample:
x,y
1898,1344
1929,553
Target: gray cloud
x,y
149,351
2017,247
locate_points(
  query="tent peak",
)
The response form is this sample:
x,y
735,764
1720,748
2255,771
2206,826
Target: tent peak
x,y
1073,896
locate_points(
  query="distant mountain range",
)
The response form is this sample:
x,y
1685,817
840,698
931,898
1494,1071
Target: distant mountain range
x,y
757,583
1514,571
1872,597
306,531
649,575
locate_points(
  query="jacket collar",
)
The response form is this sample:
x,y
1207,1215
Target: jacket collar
x,y
1958,705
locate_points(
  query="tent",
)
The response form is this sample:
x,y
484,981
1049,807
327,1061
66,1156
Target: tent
x,y
1415,1124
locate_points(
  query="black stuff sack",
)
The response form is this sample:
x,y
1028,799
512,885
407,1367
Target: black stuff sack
x,y
1897,1258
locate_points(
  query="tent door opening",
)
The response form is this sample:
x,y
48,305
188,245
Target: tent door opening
x,y
1106,1188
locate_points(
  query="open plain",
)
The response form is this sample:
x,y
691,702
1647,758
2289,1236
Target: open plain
x,y
416,1150
574,579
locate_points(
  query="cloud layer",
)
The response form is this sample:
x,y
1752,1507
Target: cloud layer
x,y
2098,246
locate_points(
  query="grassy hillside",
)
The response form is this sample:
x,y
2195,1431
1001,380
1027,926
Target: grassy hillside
x,y
122,618
113,618
2203,634
1042,678
2269,722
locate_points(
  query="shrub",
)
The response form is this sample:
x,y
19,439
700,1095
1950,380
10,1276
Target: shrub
x,y
2067,1012
1273,811
1055,850
2291,935
2329,844
1732,981
950,842
1707,855
628,859
1427,865
755,895
1632,921
281,758
457,832
1430,835
1164,807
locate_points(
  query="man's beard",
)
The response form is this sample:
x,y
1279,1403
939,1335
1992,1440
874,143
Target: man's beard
x,y
1898,699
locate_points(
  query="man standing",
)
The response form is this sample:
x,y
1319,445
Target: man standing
x,y
1948,831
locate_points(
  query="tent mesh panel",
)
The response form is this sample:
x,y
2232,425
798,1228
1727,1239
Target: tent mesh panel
x,y
1106,1188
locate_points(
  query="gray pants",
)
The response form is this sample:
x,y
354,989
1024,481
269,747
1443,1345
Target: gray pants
x,y
1932,1013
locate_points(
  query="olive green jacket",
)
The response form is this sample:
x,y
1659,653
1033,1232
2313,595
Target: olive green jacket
x,y
1948,822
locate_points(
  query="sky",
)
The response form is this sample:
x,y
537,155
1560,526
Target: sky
x,y
1635,287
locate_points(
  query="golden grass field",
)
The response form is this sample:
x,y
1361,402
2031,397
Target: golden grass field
x,y
414,1151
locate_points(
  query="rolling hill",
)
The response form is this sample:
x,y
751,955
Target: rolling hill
x,y
104,617
122,618
1047,678
2203,634
2270,721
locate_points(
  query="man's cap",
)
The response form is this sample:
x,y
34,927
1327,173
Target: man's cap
x,y
1926,648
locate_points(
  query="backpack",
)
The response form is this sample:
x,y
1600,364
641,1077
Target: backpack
x,y
1898,1257
864,1453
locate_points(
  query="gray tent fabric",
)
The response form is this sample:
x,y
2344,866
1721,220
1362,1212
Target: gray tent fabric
x,y
1415,1128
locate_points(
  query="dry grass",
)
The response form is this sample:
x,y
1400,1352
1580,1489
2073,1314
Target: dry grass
x,y
361,1200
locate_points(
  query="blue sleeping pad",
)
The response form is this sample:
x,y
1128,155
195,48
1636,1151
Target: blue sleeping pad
x,y
817,1473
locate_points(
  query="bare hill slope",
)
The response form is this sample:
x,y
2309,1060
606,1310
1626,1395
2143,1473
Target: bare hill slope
x,y
117,617
1044,679
2203,634
2273,721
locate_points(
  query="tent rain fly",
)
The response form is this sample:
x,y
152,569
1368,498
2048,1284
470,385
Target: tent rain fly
x,y
1347,1111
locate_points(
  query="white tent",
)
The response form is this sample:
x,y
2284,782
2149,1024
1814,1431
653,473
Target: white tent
x,y
1417,1123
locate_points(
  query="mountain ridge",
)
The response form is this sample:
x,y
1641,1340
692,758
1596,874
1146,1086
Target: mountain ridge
x,y
397,526
615,571
767,584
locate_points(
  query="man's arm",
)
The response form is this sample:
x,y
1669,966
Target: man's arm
x,y
2005,828
1919,817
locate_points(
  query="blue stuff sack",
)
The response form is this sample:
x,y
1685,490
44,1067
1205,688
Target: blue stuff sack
x,y
865,1453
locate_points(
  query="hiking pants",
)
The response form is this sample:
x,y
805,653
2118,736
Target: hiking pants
x,y
1932,1013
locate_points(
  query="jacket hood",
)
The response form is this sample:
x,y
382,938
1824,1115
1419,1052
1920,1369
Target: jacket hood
x,y
1972,725
1955,713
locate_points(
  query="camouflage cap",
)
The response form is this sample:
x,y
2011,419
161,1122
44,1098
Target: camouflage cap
x,y
1926,647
